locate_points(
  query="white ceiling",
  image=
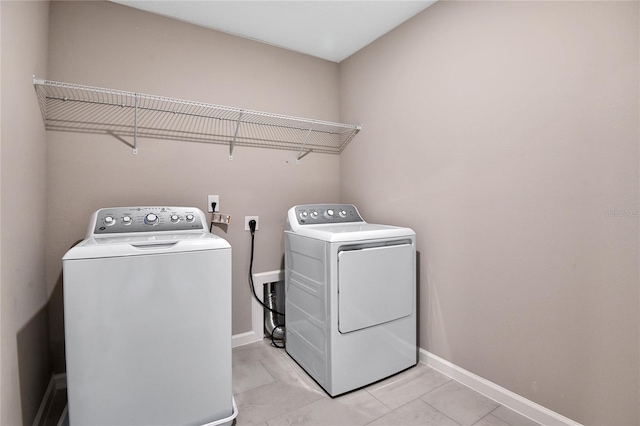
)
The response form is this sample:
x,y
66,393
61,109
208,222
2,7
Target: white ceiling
x,y
327,29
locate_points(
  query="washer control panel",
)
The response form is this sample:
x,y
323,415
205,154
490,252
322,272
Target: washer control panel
x,y
316,214
120,220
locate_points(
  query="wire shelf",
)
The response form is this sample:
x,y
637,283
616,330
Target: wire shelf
x,y
87,109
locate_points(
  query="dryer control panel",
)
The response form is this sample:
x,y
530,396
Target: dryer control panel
x,y
317,214
120,220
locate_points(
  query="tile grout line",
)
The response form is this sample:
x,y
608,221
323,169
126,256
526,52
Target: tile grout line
x,y
419,397
439,410
489,414
288,412
413,400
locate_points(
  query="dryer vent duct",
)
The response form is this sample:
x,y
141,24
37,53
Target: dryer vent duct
x,y
274,299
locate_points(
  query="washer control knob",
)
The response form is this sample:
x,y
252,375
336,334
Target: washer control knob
x,y
314,214
190,217
127,220
151,219
175,218
304,214
328,214
109,221
343,213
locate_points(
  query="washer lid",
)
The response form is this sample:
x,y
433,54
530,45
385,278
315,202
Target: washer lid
x,y
147,244
352,232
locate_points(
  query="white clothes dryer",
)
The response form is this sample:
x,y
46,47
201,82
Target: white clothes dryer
x,y
147,306
350,299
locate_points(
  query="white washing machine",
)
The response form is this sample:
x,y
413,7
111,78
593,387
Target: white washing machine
x,y
147,306
350,296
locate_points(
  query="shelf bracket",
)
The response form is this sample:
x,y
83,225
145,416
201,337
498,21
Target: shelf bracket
x,y
135,126
235,135
306,138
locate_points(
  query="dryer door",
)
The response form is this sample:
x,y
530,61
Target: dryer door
x,y
375,285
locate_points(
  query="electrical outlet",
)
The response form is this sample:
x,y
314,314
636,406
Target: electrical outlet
x,y
247,219
213,199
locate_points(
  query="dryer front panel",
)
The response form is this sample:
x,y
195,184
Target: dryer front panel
x,y
375,286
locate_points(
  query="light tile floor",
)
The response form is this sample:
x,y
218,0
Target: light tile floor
x,y
272,390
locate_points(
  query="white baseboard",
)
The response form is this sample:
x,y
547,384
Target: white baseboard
x,y
515,402
245,338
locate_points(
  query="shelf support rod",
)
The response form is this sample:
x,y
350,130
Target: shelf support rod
x,y
306,138
235,135
135,127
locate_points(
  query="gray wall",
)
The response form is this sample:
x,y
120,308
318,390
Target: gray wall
x,y
25,364
114,46
506,134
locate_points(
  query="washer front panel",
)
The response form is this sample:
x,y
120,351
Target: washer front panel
x,y
148,338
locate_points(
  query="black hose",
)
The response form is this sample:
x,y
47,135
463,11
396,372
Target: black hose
x,y
273,339
253,289
252,226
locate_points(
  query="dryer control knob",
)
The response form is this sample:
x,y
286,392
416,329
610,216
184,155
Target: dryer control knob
x,y
314,214
328,214
175,218
109,221
190,217
303,215
151,219
126,220
343,213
